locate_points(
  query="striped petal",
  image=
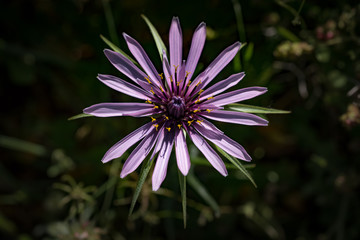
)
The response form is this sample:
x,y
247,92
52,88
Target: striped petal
x,y
167,72
224,142
125,66
237,96
143,59
124,144
235,117
182,153
196,48
120,109
222,86
139,153
175,44
208,152
124,87
162,161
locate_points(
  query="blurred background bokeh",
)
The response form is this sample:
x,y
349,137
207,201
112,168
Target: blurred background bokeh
x,y
54,186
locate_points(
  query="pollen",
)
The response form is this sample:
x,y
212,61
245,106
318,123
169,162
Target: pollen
x,y
198,83
201,90
187,74
148,101
176,67
156,126
161,89
198,100
178,83
168,128
171,79
156,107
190,122
209,110
189,83
161,76
166,117
196,110
210,98
152,91
148,79
179,126
153,119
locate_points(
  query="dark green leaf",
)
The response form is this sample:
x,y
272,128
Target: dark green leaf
x,y
254,109
237,163
158,41
204,162
201,190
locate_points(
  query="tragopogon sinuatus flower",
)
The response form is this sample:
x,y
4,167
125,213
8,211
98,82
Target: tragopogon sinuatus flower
x,y
176,102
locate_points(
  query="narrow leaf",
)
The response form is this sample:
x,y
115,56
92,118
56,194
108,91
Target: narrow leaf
x,y
287,34
201,190
117,49
159,43
182,181
81,115
237,163
204,162
254,109
143,174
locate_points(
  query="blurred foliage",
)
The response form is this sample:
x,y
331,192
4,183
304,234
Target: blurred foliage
x,y
54,186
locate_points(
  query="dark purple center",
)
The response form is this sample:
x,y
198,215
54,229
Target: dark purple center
x,y
176,107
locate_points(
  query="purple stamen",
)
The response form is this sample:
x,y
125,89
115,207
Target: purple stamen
x,y
176,107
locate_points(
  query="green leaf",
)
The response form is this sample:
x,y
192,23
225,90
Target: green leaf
x,y
254,109
182,181
21,145
204,162
287,34
143,174
81,115
237,163
158,41
249,52
201,190
117,49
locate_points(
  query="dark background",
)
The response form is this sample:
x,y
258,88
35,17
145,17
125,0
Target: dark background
x,y
53,184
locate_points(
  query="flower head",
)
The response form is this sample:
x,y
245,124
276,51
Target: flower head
x,y
176,102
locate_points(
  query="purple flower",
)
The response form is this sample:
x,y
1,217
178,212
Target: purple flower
x,y
177,103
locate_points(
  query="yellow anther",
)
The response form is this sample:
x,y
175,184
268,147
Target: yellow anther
x,y
199,121
201,90
210,98
196,110
156,126
189,84
179,125
176,67
152,91
155,107
166,117
161,89
153,119
198,83
198,100
171,79
178,83
161,76
190,122
148,101
148,79
168,128
187,74
209,110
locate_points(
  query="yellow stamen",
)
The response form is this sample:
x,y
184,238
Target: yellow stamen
x,y
201,90
148,101
198,83
187,74
168,128
210,98
166,117
152,91
179,125
153,119
189,84
161,76
171,79
209,110
176,67
198,100
190,122
196,110
177,84
161,89
199,121
156,126
148,79
155,107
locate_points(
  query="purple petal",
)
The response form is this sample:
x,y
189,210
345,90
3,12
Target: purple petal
x,y
159,142
182,153
124,144
237,96
175,43
235,117
139,153
167,72
208,125
143,59
219,63
124,87
222,85
196,48
120,109
125,66
162,161
208,152
224,142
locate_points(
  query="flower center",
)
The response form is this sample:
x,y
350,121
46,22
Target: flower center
x,y
176,107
